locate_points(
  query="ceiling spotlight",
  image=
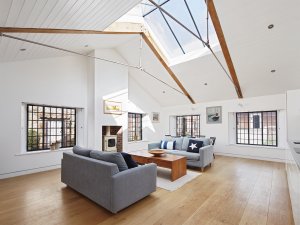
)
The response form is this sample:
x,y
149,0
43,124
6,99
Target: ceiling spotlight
x,y
22,49
205,84
273,71
270,26
163,92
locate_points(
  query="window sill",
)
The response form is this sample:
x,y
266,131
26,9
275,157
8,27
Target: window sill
x,y
258,146
43,151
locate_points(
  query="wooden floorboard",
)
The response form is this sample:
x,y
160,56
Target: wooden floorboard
x,y
233,191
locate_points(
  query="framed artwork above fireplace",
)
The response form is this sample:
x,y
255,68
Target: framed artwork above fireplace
x,y
112,107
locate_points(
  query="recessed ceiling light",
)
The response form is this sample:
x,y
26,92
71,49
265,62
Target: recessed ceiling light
x,y
270,26
273,71
205,84
163,92
22,49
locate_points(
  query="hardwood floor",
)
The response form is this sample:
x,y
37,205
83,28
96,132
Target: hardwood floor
x,y
233,191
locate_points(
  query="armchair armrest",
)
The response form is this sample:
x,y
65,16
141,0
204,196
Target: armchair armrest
x,y
132,185
153,145
206,155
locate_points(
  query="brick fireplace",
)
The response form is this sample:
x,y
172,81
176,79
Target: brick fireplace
x,y
113,130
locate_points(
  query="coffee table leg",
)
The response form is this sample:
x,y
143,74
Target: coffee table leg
x,y
178,169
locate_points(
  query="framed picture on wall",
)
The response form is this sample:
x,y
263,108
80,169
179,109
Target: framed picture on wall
x,y
155,117
112,107
214,114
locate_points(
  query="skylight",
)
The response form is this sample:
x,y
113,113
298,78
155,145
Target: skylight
x,y
173,38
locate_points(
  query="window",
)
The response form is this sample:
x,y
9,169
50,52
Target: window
x,y
188,125
174,38
256,128
50,124
135,127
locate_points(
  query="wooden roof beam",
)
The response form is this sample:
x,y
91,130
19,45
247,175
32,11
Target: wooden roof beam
x,y
218,28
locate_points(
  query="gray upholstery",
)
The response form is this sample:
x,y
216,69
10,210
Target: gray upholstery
x,y
178,144
102,182
188,155
81,151
113,157
201,159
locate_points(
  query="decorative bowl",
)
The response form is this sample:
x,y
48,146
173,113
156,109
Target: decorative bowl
x,y
157,152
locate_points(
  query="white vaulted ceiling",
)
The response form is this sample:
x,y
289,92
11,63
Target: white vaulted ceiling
x,y
64,14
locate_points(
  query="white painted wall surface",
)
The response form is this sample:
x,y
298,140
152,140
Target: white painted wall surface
x,y
52,81
223,132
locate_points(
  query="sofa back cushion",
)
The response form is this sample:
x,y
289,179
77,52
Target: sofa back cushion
x,y
81,151
178,145
112,157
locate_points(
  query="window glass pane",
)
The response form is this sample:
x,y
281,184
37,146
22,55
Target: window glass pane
x,y
257,128
47,125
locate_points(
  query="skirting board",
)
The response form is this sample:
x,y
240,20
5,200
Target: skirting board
x,y
251,157
29,171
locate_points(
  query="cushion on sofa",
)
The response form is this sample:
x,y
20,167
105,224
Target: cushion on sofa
x,y
167,145
129,161
81,151
194,146
113,157
178,144
188,155
206,141
185,143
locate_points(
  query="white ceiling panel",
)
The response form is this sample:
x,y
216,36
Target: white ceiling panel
x,y
61,14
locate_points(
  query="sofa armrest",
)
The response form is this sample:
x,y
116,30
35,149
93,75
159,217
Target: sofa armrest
x,y
153,145
132,185
206,154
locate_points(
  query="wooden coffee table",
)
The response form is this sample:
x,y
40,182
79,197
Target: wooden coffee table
x,y
176,163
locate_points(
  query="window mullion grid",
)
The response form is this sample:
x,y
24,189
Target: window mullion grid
x,y
248,128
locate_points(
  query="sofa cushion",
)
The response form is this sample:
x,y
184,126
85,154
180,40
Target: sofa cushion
x,y
185,143
113,157
167,145
206,141
178,144
81,151
129,161
194,146
188,155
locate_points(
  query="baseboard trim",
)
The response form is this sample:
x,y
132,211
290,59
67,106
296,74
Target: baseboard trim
x,y
29,171
251,157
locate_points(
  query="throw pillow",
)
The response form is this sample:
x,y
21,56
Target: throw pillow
x,y
81,151
129,161
170,145
194,146
112,157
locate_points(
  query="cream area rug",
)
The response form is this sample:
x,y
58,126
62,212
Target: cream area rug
x,y
164,179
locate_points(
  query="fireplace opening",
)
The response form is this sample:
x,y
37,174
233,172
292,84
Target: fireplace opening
x,y
112,138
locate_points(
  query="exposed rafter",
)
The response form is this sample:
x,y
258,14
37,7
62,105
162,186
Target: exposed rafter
x,y
218,28
71,31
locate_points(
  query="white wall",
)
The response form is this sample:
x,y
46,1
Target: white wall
x,y
53,81
223,132
112,82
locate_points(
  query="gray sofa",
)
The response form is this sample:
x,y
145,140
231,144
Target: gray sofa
x,y
201,159
102,182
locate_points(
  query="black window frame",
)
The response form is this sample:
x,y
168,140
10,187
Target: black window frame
x,y
138,127
183,128
67,137
262,133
